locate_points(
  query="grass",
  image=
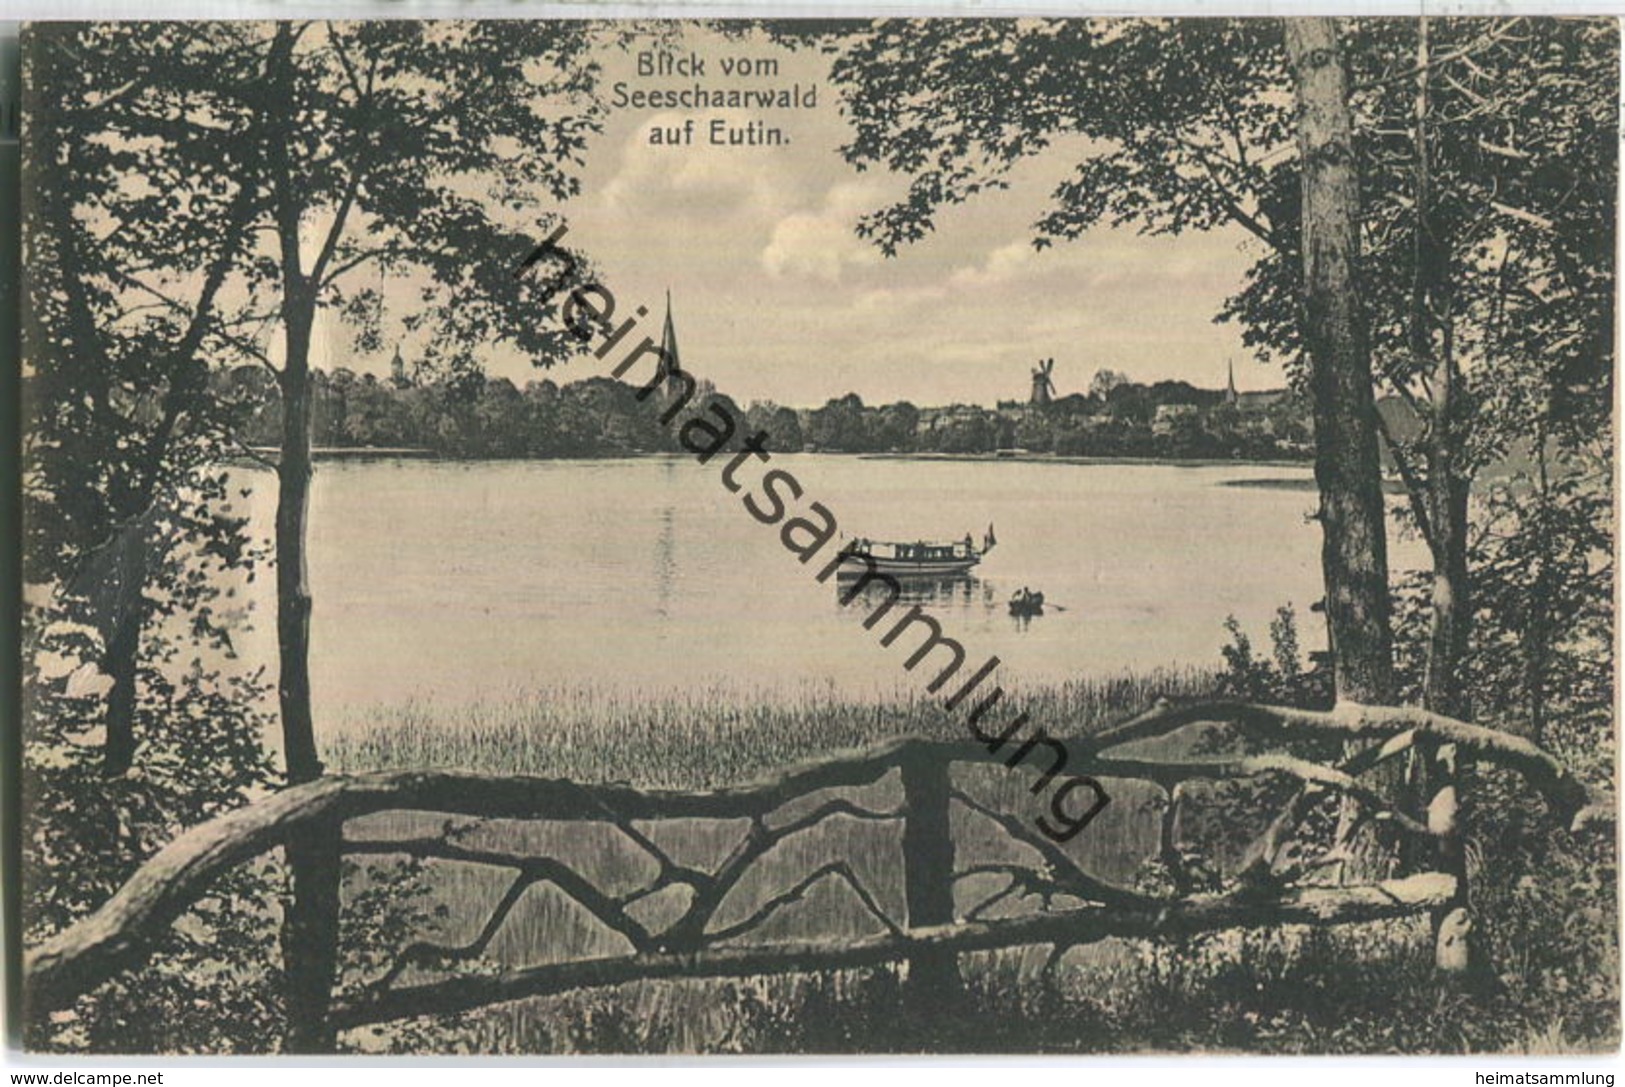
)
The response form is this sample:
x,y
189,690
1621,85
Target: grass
x,y
1357,989
703,738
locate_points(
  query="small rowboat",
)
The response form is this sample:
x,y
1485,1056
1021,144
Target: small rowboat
x,y
1026,602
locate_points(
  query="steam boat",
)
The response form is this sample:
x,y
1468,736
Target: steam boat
x,y
918,559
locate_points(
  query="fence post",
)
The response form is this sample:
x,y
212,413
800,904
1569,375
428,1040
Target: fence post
x,y
310,937
934,983
1453,951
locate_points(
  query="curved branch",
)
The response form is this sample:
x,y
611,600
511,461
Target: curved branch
x,y
757,841
1310,905
1353,721
424,953
834,868
121,933
1063,870
669,871
531,870
838,806
1023,881
1170,773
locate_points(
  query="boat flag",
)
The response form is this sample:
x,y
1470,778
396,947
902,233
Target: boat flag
x,y
989,540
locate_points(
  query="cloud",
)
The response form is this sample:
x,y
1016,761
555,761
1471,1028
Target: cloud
x,y
700,181
898,298
1002,265
821,244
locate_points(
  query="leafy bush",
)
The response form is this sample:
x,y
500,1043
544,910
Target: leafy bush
x,y
1280,680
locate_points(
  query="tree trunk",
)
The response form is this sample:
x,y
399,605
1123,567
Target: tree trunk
x,y
292,575
310,928
310,924
1433,349
311,916
1537,638
1447,481
1354,548
122,660
1354,551
1444,693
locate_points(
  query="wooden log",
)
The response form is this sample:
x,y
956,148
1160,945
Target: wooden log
x,y
119,935
1354,721
1170,773
1311,905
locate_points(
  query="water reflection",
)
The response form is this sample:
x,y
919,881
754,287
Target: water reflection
x,y
665,561
942,590
963,593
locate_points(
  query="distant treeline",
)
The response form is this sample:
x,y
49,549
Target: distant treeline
x,y
480,417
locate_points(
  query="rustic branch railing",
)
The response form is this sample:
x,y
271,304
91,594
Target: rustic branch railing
x,y
121,935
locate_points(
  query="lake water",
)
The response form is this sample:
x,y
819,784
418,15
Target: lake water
x,y
448,582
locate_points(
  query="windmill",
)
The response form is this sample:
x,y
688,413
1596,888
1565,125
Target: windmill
x,y
1043,385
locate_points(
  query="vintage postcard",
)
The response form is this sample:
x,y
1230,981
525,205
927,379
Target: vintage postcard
x,y
1085,535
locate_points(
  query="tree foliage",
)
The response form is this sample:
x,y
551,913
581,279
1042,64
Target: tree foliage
x,y
1486,150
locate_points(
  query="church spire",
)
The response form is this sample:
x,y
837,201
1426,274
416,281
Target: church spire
x,y
1230,396
668,351
397,369
668,335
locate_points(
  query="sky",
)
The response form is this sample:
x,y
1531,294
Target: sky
x,y
774,297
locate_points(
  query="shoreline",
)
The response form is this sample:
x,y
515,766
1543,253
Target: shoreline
x,y
332,453
1052,458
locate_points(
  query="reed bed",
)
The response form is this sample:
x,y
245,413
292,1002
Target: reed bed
x,y
1363,989
703,737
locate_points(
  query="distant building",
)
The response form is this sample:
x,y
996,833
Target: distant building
x,y
1263,400
667,361
1043,383
1254,402
937,418
397,370
1168,417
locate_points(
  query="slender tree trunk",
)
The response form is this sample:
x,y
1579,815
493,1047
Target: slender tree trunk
x,y
292,574
1447,480
1444,692
310,924
311,916
1450,628
1432,339
1537,639
1354,551
122,660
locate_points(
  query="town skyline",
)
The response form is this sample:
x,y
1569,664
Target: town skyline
x,y
775,297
